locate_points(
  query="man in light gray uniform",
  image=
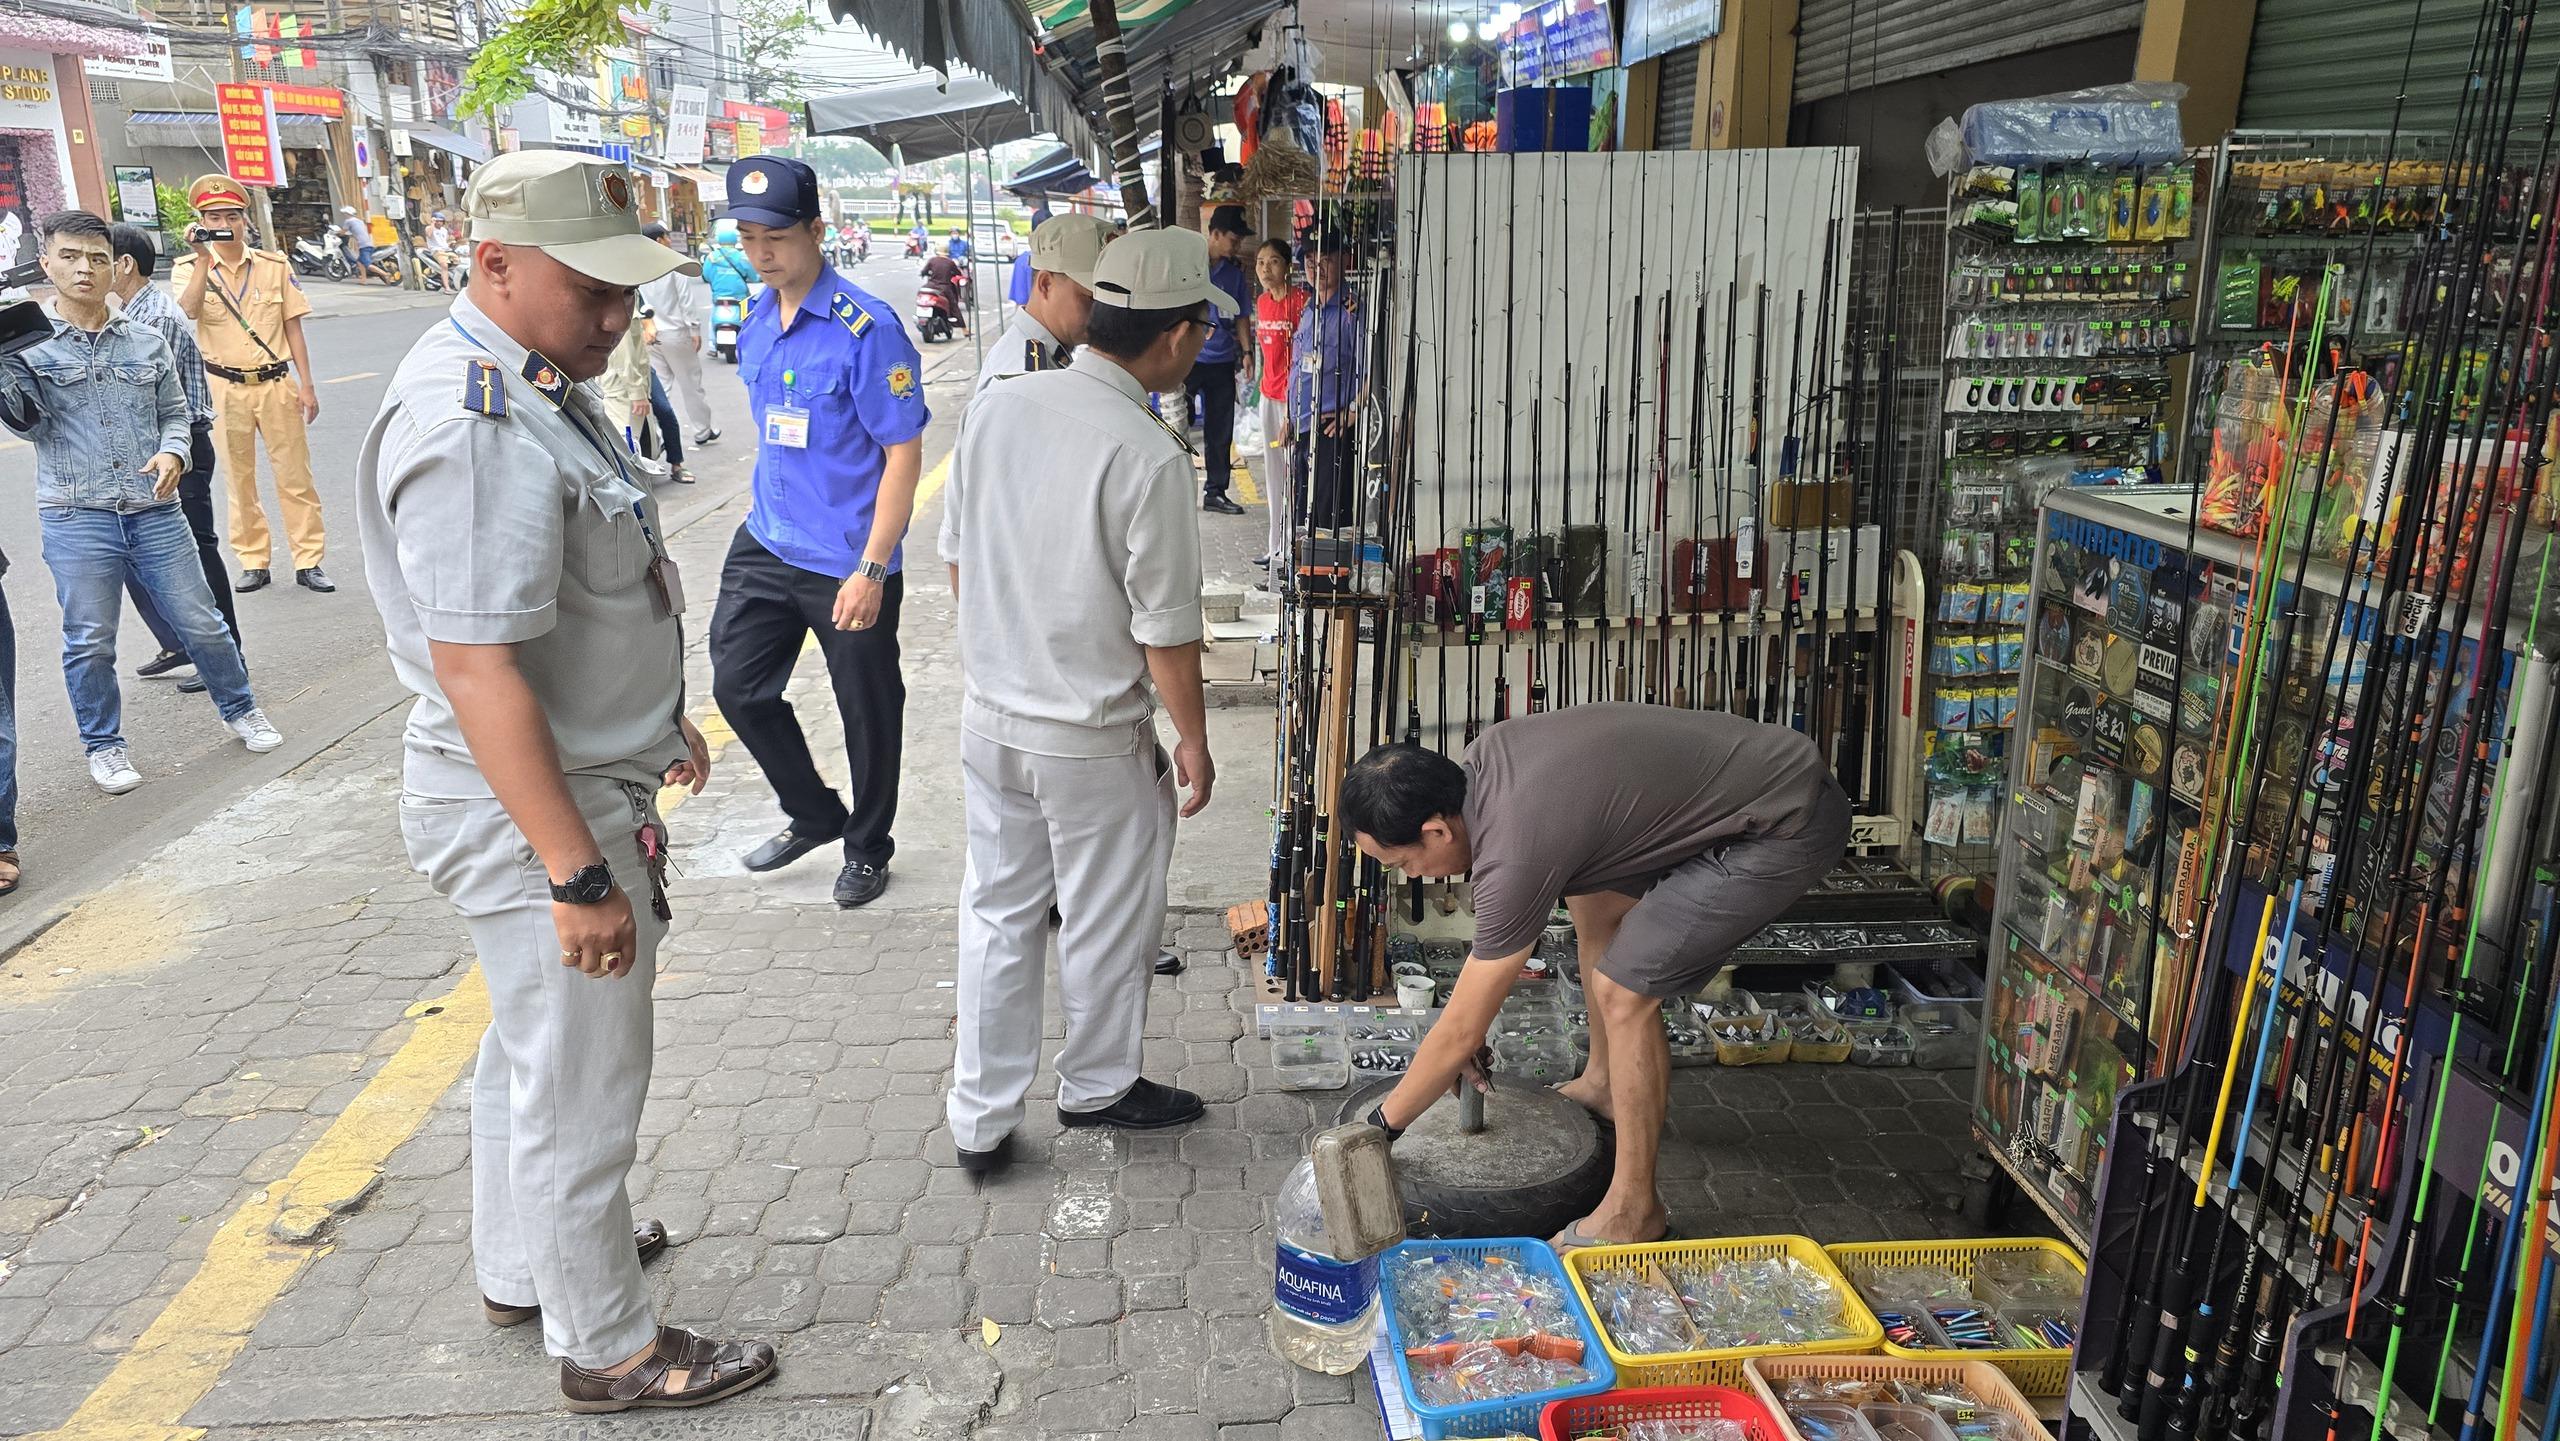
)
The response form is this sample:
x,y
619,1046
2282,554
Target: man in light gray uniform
x,y
1045,328
528,601
1068,527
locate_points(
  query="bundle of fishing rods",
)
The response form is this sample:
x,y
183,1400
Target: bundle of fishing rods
x,y
2365,932
1609,450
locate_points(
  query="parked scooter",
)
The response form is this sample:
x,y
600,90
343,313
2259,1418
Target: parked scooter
x,y
310,257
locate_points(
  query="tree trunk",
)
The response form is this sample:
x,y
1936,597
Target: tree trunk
x,y
1119,113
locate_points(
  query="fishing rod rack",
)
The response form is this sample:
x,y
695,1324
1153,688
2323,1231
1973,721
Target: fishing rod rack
x,y
1623,440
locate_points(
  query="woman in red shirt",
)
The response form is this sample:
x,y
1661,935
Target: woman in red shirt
x,y
1275,326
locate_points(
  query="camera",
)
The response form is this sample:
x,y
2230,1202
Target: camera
x,y
202,232
23,325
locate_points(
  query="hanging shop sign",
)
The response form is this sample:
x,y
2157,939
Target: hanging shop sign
x,y
773,127
1658,27
688,111
1558,38
750,137
724,140
252,151
153,64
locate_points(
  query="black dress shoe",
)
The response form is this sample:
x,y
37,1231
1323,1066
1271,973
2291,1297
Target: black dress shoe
x,y
1222,503
650,1237
1168,964
312,577
707,437
252,580
987,1162
192,685
1145,1106
167,662
859,884
782,850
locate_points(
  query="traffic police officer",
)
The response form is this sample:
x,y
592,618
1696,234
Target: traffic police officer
x,y
248,311
1051,320
838,395
527,599
1076,558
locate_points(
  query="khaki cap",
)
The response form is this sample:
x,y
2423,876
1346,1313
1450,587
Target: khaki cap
x,y
1069,245
575,208
1158,270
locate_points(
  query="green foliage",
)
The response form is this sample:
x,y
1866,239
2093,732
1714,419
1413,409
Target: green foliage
x,y
175,213
560,36
770,34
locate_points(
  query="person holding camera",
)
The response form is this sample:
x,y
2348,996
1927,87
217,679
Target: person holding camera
x,y
248,311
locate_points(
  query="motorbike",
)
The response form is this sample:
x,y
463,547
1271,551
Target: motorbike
x,y
915,247
937,314
310,257
727,315
861,249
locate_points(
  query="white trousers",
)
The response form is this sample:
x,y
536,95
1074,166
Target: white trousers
x,y
1275,470
1093,837
564,1069
680,366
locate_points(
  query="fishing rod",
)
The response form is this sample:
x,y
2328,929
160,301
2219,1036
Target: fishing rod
x,y
1747,544
1547,564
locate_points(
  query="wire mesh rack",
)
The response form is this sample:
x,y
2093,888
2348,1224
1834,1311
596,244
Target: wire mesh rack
x,y
1897,297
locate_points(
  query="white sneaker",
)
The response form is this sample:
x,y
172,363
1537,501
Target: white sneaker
x,y
112,768
255,730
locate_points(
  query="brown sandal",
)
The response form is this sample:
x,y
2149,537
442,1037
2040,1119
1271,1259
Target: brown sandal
x,y
8,872
681,1370
649,1236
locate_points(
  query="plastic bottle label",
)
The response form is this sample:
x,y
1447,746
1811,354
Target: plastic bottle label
x,y
1323,1290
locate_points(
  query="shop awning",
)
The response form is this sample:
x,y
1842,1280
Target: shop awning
x,y
1060,172
713,189
452,144
924,119
201,130
986,36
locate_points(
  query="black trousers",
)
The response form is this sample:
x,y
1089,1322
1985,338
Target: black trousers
x,y
1213,384
195,499
670,434
1328,476
766,611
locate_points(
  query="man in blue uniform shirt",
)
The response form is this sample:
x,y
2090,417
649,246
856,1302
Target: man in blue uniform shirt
x,y
838,396
1213,377
1325,393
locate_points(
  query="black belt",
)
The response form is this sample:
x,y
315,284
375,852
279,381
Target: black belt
x,y
277,371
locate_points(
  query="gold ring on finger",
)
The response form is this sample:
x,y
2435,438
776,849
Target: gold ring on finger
x,y
612,956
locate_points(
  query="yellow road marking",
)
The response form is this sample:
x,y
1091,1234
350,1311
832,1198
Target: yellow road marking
x,y
1245,486
343,379
185,1351
931,485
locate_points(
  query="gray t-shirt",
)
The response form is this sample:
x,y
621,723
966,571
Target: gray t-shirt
x,y
1614,797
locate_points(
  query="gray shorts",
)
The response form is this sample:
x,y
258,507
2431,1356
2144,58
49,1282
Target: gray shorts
x,y
1686,926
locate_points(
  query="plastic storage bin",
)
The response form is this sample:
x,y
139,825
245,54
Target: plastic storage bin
x,y
2036,1371
1944,1035
1582,1415
1716,1367
1766,1374
1311,1054
1905,1423
1510,1414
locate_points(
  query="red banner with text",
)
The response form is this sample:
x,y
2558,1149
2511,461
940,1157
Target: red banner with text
x,y
251,150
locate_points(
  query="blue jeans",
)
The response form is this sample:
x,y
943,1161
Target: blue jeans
x,y
90,552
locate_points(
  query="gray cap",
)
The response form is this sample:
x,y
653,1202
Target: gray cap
x,y
1070,245
1158,270
575,208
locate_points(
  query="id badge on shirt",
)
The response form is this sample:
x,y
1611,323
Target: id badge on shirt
x,y
787,426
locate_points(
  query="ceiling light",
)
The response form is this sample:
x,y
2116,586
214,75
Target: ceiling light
x,y
1457,32
1486,30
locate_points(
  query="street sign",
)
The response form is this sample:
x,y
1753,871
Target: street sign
x,y
153,64
688,111
252,151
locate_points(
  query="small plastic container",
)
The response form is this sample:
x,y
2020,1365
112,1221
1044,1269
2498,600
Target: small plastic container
x,y
1905,1423
1379,1060
1944,1036
1879,1044
2025,1327
1818,1038
1906,1323
1920,983
1546,1057
1968,1325
1821,1422
1753,1040
1311,1054
2028,1278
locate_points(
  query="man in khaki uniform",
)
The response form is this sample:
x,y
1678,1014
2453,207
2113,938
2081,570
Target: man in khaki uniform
x,y
248,313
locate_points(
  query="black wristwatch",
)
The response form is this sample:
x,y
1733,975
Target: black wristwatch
x,y
1378,1117
588,887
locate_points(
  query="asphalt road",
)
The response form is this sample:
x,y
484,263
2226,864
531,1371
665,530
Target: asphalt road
x,y
315,660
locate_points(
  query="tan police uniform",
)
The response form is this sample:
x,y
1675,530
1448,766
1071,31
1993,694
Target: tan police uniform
x,y
240,328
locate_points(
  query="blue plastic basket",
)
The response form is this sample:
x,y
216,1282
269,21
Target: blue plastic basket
x,y
1512,1415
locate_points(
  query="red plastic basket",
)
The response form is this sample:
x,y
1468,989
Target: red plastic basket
x,y
1607,1412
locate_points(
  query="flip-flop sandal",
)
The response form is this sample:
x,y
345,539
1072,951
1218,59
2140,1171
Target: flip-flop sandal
x,y
9,872
682,1369
1571,1238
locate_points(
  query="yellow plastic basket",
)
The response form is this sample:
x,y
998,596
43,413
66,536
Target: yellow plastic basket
x,y
1987,1381
1718,1367
2040,1372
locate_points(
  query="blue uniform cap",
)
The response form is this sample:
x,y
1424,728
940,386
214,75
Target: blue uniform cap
x,y
772,190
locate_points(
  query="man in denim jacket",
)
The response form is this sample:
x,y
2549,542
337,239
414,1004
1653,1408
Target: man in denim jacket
x,y
103,404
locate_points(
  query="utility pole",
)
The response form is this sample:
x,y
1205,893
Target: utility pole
x,y
1110,52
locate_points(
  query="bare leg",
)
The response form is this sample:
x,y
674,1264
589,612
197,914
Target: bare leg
x,y
1595,925
1640,1092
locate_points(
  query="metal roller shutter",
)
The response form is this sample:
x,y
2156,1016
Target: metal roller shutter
x,y
1845,45
1675,99
2337,65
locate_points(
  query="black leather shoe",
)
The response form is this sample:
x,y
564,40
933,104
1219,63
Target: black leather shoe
x,y
1222,503
166,662
782,850
987,1162
192,685
859,885
312,577
1145,1106
1168,964
252,580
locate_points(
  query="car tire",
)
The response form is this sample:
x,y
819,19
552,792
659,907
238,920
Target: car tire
x,y
1551,1173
